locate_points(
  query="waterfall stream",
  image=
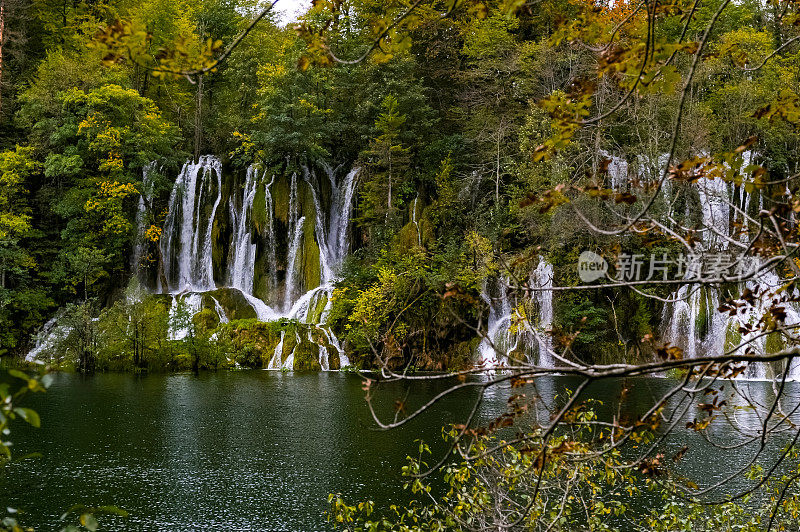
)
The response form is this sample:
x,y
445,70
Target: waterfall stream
x,y
191,238
693,322
519,327
187,237
243,260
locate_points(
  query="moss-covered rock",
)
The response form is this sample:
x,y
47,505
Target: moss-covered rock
x,y
205,321
306,355
259,213
775,342
309,259
317,307
280,191
252,343
703,318
732,337
232,301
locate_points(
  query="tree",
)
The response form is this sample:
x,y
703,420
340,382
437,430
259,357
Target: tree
x,y
20,301
388,160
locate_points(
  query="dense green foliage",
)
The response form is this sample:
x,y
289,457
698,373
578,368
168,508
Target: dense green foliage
x,y
461,124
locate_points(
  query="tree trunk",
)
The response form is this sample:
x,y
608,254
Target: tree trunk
x,y
390,181
198,118
497,171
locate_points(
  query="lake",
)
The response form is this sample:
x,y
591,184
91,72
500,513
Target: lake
x,y
244,450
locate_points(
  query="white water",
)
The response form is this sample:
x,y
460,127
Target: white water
x,y
291,264
693,321
187,237
415,221
271,243
531,331
542,279
183,307
493,346
191,232
243,260
48,338
275,363
223,318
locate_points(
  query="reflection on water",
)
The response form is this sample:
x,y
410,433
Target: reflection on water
x,y
257,450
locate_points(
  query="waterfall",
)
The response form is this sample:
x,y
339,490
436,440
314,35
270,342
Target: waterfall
x,y
331,231
271,242
200,214
617,171
48,338
343,360
692,320
542,280
332,237
321,236
714,200
263,311
531,337
290,264
223,318
275,363
494,347
180,314
289,362
323,357
415,221
342,200
694,324
187,237
243,249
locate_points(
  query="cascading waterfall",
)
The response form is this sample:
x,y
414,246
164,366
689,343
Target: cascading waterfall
x,y
339,220
243,250
533,337
271,243
275,363
714,198
617,171
223,317
541,281
200,269
291,263
180,314
321,236
48,338
692,320
187,237
493,346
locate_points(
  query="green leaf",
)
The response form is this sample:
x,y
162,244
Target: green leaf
x,y
28,415
112,510
19,374
89,521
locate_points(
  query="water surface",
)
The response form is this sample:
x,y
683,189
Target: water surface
x,y
248,450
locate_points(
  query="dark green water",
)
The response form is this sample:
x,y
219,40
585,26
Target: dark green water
x,y
250,450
